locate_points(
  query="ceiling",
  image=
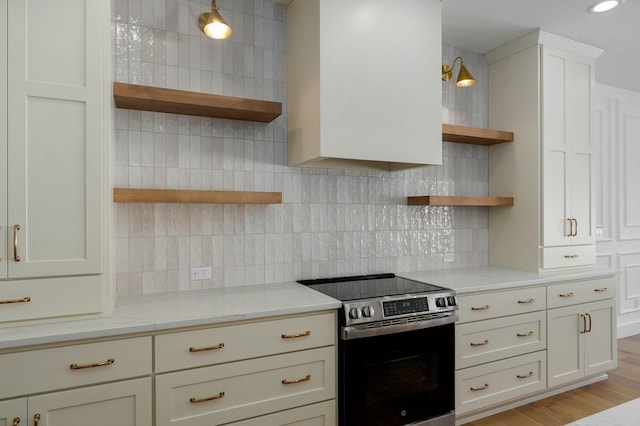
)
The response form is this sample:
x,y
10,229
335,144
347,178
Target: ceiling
x,y
482,25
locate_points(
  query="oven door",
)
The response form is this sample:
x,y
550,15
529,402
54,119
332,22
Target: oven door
x,y
404,378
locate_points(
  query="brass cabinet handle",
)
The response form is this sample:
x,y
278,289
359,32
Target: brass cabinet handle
x,y
291,382
525,377
575,231
526,302
584,324
293,336
208,348
566,294
75,366
195,400
23,300
16,421
486,342
480,308
588,330
601,290
16,228
486,386
570,256
570,234
525,334
36,419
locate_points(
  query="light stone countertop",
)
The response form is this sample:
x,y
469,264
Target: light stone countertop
x,y
154,312
487,278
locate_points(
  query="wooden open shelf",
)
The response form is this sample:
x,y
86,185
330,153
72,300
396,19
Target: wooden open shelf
x,y
441,200
147,98
132,195
474,136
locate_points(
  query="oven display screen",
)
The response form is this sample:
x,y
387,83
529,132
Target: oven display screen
x,y
405,306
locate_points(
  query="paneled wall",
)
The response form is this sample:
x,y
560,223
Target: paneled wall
x,y
332,222
617,152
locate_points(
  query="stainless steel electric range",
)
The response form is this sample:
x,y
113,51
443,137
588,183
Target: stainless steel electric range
x,y
396,350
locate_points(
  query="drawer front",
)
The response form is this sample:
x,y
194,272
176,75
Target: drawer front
x,y
485,385
50,298
562,257
483,306
240,390
322,414
237,342
576,292
70,366
490,340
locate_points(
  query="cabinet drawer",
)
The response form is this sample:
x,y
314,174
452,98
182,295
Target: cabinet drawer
x,y
42,370
237,342
50,297
561,257
576,292
486,341
240,390
501,303
323,414
488,384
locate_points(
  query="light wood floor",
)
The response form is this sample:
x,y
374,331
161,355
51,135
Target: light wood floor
x,y
622,385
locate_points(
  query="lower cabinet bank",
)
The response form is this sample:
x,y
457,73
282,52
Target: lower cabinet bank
x,y
517,345
273,372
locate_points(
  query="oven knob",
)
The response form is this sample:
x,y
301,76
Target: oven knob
x,y
367,311
451,301
441,302
354,313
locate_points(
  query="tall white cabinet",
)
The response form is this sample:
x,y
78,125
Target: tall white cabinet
x,y
54,114
541,86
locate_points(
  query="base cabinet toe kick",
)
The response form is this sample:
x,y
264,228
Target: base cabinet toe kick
x,y
515,346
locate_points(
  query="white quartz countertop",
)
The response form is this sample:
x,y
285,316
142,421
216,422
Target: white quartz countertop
x,y
153,312
486,278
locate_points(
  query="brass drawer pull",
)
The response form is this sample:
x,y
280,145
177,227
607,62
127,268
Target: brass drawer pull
x,y
526,302
294,336
480,308
525,377
75,366
291,382
208,348
195,400
601,290
36,419
525,334
16,228
570,256
566,294
16,421
486,386
23,300
486,342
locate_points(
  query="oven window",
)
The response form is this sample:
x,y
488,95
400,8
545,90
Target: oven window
x,y
397,379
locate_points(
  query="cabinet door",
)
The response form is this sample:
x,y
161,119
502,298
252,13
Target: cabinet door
x,y
123,404
13,412
3,140
565,345
55,98
601,349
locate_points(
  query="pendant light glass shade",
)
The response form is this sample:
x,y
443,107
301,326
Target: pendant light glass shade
x,y
213,25
465,78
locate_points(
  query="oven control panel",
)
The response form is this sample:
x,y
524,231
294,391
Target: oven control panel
x,y
392,307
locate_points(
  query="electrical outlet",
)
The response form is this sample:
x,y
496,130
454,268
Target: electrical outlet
x,y
449,257
599,232
201,273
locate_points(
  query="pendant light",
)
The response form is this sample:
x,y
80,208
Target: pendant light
x,y
213,25
465,78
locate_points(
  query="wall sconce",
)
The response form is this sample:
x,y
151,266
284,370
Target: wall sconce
x,y
465,78
213,25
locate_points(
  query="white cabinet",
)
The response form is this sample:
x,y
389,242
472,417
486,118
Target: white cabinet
x,y
363,83
258,370
13,412
582,337
53,120
541,86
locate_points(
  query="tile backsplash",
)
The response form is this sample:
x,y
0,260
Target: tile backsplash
x,y
331,222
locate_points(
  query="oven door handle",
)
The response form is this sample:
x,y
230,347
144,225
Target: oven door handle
x,y
350,333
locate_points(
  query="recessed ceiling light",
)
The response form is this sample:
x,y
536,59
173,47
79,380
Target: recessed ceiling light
x,y
605,6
